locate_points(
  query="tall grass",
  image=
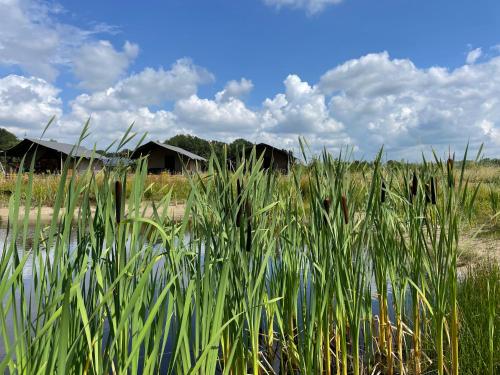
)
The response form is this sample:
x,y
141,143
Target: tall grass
x,y
479,311
330,273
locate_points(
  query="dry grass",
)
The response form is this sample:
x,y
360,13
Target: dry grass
x,y
45,187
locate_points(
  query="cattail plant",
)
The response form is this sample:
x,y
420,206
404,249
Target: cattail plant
x,y
262,274
118,201
433,191
345,209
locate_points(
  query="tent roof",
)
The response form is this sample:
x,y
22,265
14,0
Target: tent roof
x,y
64,148
178,150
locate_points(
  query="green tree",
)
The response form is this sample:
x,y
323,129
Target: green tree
x,y
196,145
7,139
236,147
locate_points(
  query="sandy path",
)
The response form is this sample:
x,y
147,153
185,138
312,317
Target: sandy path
x,y
175,211
474,249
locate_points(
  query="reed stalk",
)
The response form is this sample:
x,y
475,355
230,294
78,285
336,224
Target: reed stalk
x,y
263,273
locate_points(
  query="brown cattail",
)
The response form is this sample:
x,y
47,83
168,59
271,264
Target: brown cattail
x,y
238,200
427,193
344,209
433,191
326,204
414,184
118,201
382,192
238,188
249,236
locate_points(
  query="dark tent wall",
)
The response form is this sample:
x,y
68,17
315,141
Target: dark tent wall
x,y
274,158
167,158
50,156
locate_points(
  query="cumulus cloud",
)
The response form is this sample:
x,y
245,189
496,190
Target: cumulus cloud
x,y
108,125
131,101
234,90
228,118
155,86
150,87
301,109
32,39
310,6
473,55
27,104
365,102
414,108
98,65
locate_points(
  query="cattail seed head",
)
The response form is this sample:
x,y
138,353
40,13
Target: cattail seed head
x,y
238,188
118,201
382,192
326,204
449,164
344,209
414,184
433,191
249,236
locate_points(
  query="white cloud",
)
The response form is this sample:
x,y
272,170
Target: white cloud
x,y
98,65
310,6
414,108
31,37
27,104
366,102
131,99
300,110
154,87
473,55
234,90
109,125
230,118
150,87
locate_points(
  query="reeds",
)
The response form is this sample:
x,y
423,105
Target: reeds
x,y
256,278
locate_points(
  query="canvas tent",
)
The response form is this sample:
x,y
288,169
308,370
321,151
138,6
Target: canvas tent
x,y
274,158
167,158
51,155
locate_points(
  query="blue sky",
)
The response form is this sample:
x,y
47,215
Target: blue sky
x,y
405,74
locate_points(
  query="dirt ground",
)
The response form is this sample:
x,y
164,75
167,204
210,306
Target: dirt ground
x,y
474,248
175,211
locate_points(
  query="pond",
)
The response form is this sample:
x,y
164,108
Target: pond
x,y
27,276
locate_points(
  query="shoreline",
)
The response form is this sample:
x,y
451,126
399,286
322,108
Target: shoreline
x,y
175,211
473,249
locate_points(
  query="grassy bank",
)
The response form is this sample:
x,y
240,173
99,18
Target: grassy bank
x,y
479,307
330,270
